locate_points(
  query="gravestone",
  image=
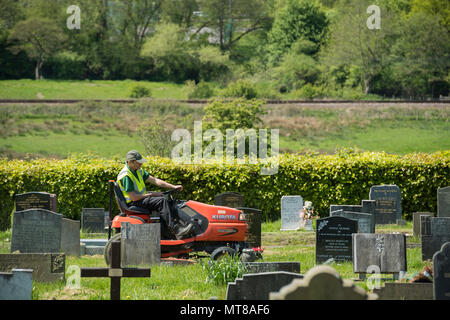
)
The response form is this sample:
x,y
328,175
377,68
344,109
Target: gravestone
x,y
93,220
388,207
435,232
387,252
253,220
70,237
16,285
405,291
290,212
443,202
140,244
47,267
322,283
334,238
416,221
367,207
441,273
258,286
364,220
35,200
259,267
229,199
36,231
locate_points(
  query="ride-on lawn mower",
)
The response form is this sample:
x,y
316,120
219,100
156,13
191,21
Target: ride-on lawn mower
x,y
218,230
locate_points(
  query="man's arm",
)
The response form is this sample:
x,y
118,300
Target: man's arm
x,y
161,183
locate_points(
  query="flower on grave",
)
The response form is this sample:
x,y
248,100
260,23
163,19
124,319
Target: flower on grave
x,y
307,213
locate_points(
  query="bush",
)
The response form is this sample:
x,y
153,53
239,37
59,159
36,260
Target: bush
x,y
344,178
201,91
139,91
241,89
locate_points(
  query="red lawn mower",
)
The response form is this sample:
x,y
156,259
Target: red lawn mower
x,y
218,230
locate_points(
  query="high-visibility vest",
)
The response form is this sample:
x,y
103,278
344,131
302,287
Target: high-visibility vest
x,y
139,183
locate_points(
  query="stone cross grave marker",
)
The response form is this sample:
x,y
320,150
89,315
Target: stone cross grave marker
x,y
364,220
435,232
322,283
443,202
388,207
441,273
334,238
382,253
140,244
116,272
229,199
93,220
35,200
290,212
253,218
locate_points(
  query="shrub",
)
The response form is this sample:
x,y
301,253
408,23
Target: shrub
x,y
201,91
241,89
139,91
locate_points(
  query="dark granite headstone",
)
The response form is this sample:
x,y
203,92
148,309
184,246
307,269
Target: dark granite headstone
x,y
93,220
416,221
386,251
36,231
35,200
229,199
258,286
388,207
364,220
258,267
334,238
405,291
435,232
70,237
441,273
443,202
253,218
16,285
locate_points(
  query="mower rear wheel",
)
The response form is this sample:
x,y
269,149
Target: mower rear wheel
x,y
108,247
222,252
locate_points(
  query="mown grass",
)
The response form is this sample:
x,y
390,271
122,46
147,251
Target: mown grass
x,y
190,281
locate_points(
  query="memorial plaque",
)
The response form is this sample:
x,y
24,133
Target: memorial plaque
x,y
253,220
388,206
35,200
36,231
140,244
364,220
229,199
93,220
441,273
334,238
443,202
290,212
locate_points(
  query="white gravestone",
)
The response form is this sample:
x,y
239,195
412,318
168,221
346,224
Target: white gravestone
x,y
290,212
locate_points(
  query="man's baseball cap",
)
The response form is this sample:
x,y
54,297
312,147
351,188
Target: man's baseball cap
x,y
134,155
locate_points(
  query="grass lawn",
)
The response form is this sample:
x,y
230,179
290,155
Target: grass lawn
x,y
189,282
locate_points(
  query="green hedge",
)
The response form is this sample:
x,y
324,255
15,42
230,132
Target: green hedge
x,y
339,179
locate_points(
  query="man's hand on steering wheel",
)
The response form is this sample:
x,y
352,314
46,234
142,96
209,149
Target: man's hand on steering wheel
x,y
172,193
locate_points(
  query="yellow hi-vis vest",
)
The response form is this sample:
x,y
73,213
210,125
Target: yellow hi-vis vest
x,y
139,183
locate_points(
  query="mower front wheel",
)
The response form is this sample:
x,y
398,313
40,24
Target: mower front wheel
x,y
222,252
107,252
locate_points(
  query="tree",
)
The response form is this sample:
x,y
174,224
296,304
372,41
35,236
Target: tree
x,y
40,38
180,12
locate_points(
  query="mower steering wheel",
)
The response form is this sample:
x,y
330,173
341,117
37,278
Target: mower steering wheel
x,y
172,194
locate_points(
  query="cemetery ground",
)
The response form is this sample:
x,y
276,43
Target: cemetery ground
x,y
189,281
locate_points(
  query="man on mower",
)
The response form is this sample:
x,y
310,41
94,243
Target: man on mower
x,y
132,179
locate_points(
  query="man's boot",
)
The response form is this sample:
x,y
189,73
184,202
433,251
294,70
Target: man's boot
x,y
183,231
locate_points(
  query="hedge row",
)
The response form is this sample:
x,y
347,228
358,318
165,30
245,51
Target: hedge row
x,y
339,179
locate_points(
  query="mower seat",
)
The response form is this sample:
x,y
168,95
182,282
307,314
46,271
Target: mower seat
x,y
123,206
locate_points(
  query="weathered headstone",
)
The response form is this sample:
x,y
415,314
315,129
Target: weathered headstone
x,y
364,220
16,285
435,232
229,199
253,219
47,267
259,267
387,252
258,286
36,200
290,212
36,231
140,244
405,291
441,273
93,220
334,238
388,207
416,221
70,237
443,202
322,283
